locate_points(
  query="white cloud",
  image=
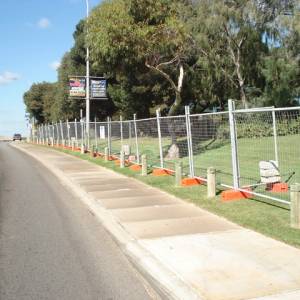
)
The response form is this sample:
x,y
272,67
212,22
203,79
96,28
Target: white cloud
x,y
55,65
8,77
44,23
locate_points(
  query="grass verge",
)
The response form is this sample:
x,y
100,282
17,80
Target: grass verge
x,y
266,218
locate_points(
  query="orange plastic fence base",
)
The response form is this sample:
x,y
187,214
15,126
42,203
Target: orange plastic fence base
x,y
118,162
135,168
233,195
278,187
160,172
191,181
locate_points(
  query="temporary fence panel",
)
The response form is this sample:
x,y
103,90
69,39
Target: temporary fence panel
x,y
101,136
211,145
146,140
240,144
174,142
115,137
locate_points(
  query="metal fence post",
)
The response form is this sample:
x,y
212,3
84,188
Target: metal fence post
x,y
42,132
121,131
189,141
129,133
62,133
136,140
109,135
96,136
57,134
159,139
234,150
76,133
82,131
275,137
87,133
68,132
48,134
53,136
39,134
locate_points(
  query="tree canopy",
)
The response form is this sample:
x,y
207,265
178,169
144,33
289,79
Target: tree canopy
x,y
170,53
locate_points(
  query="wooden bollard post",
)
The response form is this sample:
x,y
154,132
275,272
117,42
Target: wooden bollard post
x,y
82,148
144,165
295,205
92,151
106,154
122,159
178,173
73,145
211,182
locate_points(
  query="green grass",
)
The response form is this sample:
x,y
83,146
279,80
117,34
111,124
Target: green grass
x,y
217,154
262,217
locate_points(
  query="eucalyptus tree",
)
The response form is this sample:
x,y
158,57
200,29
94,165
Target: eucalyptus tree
x,y
131,38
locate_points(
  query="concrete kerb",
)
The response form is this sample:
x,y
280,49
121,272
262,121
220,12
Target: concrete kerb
x,y
166,282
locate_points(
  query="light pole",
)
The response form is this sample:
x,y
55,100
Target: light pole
x,y
87,101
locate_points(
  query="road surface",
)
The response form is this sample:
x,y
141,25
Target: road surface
x,y
51,246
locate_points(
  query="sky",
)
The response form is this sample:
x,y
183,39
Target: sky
x,y
35,34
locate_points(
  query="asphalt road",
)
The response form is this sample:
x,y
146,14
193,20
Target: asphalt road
x,y
51,246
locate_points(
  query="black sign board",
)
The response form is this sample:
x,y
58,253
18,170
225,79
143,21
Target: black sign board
x,y
98,88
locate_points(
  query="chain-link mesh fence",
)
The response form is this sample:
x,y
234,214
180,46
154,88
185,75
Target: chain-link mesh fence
x,y
255,149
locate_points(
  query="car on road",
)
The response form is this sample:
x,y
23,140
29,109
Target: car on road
x,y
17,137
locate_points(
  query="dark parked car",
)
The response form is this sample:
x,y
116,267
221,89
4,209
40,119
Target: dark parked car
x,y
17,137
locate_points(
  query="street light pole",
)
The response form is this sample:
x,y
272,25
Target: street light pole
x,y
87,102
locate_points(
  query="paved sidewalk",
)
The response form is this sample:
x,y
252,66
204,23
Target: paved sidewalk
x,y
214,258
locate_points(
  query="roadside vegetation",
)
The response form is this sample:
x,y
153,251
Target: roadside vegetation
x,y
170,53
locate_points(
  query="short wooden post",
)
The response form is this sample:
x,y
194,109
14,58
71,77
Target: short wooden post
x,y
144,165
106,154
122,159
73,145
178,173
295,205
92,151
211,182
82,148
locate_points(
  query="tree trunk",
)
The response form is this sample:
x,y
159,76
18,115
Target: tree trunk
x,y
241,84
173,152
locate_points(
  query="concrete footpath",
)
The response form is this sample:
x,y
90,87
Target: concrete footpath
x,y
188,252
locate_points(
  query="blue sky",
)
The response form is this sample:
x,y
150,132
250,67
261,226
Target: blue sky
x,y
34,36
